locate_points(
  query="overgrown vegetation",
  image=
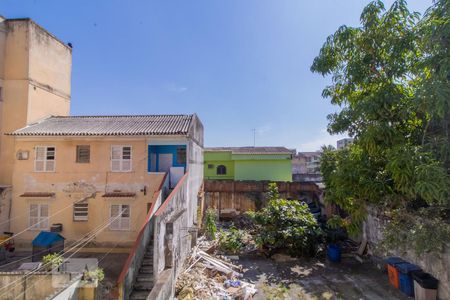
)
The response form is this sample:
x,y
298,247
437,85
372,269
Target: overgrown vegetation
x,y
95,275
390,77
210,224
287,225
232,240
52,261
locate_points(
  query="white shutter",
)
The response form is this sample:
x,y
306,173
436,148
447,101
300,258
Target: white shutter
x,y
115,221
116,157
39,162
126,165
125,219
33,216
50,166
43,216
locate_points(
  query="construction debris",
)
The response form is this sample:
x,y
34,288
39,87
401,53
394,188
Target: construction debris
x,y
207,276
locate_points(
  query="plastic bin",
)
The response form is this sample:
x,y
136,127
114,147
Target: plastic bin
x,y
425,286
405,277
334,253
392,271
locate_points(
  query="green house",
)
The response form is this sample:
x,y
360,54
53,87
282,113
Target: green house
x,y
248,163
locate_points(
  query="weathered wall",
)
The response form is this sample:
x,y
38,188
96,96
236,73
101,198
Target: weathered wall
x,y
436,264
73,181
35,69
5,207
30,287
240,196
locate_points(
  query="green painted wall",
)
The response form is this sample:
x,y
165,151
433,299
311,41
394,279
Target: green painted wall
x,y
248,167
274,170
215,159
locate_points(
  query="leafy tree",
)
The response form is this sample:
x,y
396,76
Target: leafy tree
x,y
390,77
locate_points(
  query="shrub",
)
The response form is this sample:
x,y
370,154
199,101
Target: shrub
x,y
91,276
210,224
52,261
289,225
231,241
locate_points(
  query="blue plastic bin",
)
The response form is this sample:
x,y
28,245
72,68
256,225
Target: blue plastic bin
x,y
406,280
334,253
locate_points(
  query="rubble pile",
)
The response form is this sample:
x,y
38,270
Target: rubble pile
x,y
207,276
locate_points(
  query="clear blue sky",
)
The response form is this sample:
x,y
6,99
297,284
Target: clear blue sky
x,y
238,64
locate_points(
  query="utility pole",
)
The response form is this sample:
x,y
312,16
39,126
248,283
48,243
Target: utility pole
x,y
254,137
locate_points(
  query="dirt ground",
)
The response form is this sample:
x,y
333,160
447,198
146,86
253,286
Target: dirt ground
x,y
313,279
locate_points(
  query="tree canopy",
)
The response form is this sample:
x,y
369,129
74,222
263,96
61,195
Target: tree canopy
x,y
390,78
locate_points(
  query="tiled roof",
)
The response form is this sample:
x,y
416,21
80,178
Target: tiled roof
x,y
109,125
253,150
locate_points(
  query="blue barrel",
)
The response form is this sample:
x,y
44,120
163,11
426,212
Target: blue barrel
x,y
405,271
334,253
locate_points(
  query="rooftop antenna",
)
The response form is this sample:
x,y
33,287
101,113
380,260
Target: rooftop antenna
x,y
254,137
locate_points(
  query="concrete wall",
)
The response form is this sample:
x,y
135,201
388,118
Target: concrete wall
x,y
73,181
436,264
30,287
248,167
35,73
273,170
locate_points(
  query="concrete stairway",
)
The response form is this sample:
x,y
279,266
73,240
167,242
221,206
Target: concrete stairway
x,y
144,281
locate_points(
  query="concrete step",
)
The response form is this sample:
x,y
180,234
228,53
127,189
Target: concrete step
x,y
147,262
143,286
146,270
139,295
144,278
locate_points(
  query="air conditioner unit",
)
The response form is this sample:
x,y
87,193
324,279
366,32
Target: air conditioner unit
x,y
23,155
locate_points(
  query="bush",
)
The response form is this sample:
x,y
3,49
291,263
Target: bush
x,y
52,261
210,224
91,276
231,241
287,225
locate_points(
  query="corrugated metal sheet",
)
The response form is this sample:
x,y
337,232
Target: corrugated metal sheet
x,y
109,125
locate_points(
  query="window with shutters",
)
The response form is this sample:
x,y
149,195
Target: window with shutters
x,y
44,159
83,154
80,211
121,158
119,217
38,216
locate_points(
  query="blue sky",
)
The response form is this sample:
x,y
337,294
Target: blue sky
x,y
238,64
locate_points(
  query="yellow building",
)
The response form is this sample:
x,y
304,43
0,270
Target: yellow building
x,y
79,174
35,72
